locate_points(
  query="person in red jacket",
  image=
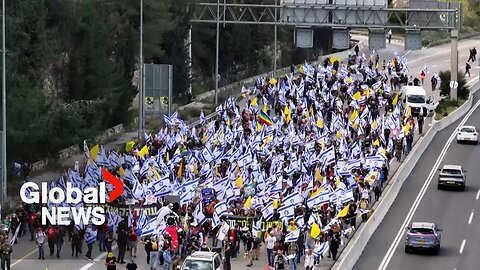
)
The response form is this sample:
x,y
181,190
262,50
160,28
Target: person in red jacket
x,y
51,232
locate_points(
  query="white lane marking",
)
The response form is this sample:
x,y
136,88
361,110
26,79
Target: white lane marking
x,y
444,51
416,203
478,195
462,246
97,259
434,66
471,217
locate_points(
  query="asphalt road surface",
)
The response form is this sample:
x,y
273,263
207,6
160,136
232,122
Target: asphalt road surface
x,y
457,213
455,225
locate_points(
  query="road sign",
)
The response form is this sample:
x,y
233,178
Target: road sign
x,y
453,84
149,102
164,100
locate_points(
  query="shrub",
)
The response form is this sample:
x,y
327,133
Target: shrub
x,y
463,89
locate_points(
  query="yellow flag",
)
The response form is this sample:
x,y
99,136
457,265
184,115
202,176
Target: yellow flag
x,y
272,81
376,142
301,69
318,175
121,171
248,203
216,170
179,172
395,100
376,66
129,146
339,59
320,123
156,173
195,169
287,115
344,211
94,152
264,108
268,139
275,204
239,182
332,60
407,128
349,80
409,111
254,102
339,134
204,138
356,96
353,115
143,152
259,127
167,157
307,115
315,232
338,181
374,124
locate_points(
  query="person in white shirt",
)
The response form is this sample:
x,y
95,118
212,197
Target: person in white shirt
x,y
309,261
40,237
270,244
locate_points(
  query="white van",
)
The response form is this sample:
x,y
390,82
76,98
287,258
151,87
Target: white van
x,y
415,98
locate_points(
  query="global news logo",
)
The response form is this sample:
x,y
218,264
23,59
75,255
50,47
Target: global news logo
x,y
72,196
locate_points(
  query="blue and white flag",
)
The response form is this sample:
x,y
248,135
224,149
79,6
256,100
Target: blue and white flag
x,y
267,211
90,236
293,199
320,250
149,228
292,236
221,209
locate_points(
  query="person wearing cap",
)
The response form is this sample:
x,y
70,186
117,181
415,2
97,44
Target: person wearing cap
x,y
111,262
40,238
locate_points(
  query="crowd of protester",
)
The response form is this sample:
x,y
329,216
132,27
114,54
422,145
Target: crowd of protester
x,y
289,172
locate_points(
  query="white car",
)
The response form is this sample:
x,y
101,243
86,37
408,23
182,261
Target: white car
x,y
203,260
467,134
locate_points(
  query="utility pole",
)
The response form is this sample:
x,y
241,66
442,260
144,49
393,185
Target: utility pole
x,y
216,52
454,65
141,94
275,42
4,113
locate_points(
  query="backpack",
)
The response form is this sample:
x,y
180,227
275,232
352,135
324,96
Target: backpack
x,y
154,246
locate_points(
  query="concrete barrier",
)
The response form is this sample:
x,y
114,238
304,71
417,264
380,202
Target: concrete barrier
x,y
359,241
447,40
39,165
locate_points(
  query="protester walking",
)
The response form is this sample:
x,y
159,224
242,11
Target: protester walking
x,y
280,261
420,121
40,238
309,261
270,244
51,232
59,240
122,237
76,242
111,262
227,250
6,256
467,69
334,245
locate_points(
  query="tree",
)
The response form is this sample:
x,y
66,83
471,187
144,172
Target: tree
x,y
463,88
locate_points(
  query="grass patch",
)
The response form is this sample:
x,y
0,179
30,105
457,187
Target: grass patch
x,y
446,107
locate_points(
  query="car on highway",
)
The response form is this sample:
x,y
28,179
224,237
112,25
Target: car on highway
x,y
423,236
203,260
467,134
452,176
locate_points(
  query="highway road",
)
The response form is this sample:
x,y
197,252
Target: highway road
x,y
456,213
437,59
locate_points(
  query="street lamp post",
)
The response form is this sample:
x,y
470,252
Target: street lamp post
x,y
3,192
216,52
141,94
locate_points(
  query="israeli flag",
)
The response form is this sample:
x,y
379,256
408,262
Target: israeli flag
x,y
221,209
292,236
267,211
328,156
321,249
286,211
300,221
90,236
138,191
293,199
199,217
149,227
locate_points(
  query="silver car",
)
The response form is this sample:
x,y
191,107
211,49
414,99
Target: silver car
x,y
452,176
423,236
